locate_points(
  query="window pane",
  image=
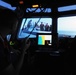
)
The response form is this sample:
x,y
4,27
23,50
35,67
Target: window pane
x,y
6,5
67,8
67,26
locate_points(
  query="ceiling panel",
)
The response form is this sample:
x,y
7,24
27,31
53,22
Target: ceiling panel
x,y
43,3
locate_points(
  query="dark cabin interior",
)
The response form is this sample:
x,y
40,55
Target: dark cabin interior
x,y
58,60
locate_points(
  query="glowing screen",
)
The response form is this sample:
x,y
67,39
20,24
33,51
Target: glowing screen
x,y
44,39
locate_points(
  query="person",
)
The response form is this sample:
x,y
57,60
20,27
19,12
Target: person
x,y
50,28
29,24
42,26
46,27
8,25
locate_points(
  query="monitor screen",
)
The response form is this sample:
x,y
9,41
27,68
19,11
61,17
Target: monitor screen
x,y
31,26
67,26
44,40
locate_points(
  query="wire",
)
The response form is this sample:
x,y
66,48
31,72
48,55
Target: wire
x,y
36,23
33,28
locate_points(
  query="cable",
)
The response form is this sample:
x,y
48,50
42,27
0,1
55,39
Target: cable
x,y
36,23
33,28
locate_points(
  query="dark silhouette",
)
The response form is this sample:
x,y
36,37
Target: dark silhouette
x,y
46,27
8,25
29,24
42,26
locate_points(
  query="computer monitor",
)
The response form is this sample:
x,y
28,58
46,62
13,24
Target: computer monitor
x,y
44,41
31,26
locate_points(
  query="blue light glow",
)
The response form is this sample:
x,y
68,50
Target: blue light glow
x,y
67,8
6,5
